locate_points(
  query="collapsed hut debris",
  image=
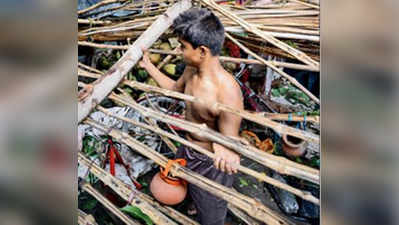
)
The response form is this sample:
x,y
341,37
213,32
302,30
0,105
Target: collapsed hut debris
x,y
286,29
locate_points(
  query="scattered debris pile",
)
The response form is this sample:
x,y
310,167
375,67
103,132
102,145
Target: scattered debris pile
x,y
129,125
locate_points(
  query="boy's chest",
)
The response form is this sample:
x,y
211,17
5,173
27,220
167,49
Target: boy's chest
x,y
207,92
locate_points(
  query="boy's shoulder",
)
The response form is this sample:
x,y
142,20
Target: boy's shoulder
x,y
229,89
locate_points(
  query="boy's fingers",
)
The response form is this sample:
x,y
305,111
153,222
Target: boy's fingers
x,y
145,51
229,169
235,166
216,163
235,169
222,165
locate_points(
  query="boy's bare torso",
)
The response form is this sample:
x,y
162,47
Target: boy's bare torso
x,y
209,89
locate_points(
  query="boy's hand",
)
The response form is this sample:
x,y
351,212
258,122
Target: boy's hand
x,y
225,160
146,59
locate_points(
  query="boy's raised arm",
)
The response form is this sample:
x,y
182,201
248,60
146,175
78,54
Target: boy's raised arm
x,y
163,80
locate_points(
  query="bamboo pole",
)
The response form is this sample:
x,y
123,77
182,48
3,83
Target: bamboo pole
x,y
167,210
242,215
285,35
103,86
94,22
280,164
270,50
128,194
302,194
119,36
113,30
286,15
254,117
275,63
169,57
258,22
249,27
249,205
154,124
89,68
87,74
282,73
289,29
221,58
291,117
261,115
105,202
272,11
118,25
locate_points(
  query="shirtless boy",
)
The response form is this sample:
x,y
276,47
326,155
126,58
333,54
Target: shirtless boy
x,y
201,35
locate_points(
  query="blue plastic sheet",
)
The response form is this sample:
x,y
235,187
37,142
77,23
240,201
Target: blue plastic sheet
x,y
83,4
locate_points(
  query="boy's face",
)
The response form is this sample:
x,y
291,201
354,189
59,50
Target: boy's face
x,y
191,56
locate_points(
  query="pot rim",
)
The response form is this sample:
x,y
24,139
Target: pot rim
x,y
290,144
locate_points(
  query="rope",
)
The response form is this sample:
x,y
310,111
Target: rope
x,y
165,172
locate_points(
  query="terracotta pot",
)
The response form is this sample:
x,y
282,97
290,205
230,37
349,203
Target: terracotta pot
x,y
293,146
166,193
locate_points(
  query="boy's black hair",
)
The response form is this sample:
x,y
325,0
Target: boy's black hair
x,y
200,27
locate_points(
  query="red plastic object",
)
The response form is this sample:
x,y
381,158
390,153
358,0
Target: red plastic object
x,y
113,156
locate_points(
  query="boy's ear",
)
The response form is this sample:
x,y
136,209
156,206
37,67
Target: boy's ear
x,y
204,51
